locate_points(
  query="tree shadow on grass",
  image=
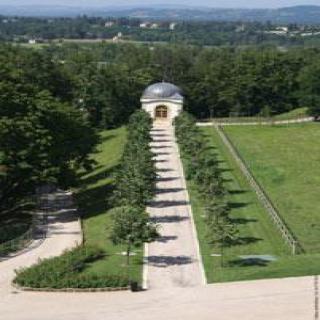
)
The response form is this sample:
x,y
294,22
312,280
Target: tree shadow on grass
x,y
235,192
242,220
238,205
107,138
95,201
223,170
250,262
100,175
242,241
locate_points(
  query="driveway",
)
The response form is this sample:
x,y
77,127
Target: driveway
x,y
173,260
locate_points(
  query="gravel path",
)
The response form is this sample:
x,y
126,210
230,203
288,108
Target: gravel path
x,y
173,260
63,232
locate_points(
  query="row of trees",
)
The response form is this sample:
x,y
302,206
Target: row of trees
x,y
134,187
135,177
202,167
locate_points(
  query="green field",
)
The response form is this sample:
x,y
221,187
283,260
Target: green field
x,y
257,233
94,199
285,160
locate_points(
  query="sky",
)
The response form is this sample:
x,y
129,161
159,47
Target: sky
x,y
149,3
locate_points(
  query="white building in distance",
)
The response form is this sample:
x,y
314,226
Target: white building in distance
x,y
144,25
172,25
163,101
109,24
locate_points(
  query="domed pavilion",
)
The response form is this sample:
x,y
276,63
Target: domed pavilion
x,y
163,101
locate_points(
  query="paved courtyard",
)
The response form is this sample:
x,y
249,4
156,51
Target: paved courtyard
x,y
286,299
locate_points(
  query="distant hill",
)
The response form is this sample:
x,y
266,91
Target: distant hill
x,y
297,14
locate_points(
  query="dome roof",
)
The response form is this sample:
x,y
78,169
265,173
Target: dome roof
x,y
163,90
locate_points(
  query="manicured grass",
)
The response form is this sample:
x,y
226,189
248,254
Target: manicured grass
x,y
258,234
95,203
285,160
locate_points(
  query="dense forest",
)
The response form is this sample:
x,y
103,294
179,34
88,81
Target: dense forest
x,y
54,99
208,33
107,79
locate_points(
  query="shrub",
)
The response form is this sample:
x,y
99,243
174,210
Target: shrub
x,y
66,271
202,167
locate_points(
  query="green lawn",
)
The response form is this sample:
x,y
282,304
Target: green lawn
x,y
94,201
258,234
285,160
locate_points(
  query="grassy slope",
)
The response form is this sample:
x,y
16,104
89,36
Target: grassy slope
x,y
255,227
293,114
285,160
94,201
290,115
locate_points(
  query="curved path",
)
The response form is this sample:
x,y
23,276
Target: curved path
x,y
63,232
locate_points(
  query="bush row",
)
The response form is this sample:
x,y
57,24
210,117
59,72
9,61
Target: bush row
x,y
135,178
202,167
201,163
65,272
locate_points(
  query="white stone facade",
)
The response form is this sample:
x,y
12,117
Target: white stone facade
x,y
174,107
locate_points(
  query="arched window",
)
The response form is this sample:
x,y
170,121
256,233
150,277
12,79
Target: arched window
x,y
161,112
